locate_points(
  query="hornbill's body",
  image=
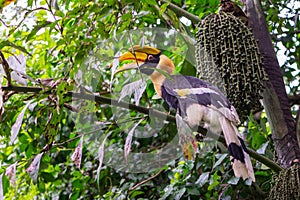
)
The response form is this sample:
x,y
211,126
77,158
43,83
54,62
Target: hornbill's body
x,y
198,102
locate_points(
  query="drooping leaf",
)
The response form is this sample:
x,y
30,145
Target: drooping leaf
x,y
220,160
18,64
137,87
139,92
203,178
101,157
8,43
127,146
234,180
76,156
37,28
115,63
33,169
187,140
168,190
17,125
262,148
11,173
179,193
114,66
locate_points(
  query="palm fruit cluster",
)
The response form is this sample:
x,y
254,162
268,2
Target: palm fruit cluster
x,y
287,184
228,57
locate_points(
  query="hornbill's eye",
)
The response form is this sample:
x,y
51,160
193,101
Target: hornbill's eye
x,y
150,57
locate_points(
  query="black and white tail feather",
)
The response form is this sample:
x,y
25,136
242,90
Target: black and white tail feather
x,y
240,159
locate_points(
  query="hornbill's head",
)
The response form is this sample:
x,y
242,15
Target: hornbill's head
x,y
148,59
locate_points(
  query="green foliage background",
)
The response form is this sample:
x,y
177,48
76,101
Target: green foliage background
x,y
57,37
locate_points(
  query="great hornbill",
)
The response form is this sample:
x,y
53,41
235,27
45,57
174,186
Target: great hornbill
x,y
198,102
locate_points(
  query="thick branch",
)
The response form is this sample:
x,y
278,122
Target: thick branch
x,y
105,100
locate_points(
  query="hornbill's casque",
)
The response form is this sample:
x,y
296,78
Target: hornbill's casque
x,y
198,102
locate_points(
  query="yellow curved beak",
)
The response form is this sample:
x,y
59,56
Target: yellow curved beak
x,y
138,54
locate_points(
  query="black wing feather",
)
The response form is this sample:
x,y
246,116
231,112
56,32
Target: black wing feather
x,y
215,97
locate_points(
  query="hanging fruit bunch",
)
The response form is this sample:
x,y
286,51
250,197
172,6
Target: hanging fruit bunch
x,y
228,56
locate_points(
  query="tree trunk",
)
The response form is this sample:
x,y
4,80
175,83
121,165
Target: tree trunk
x,y
275,99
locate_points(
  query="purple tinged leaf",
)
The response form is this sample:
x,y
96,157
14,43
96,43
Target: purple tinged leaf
x,y
17,125
139,92
101,157
18,64
76,156
137,87
19,78
114,66
128,140
11,173
33,169
116,62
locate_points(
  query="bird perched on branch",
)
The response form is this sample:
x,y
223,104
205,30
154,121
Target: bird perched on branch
x,y
231,7
198,102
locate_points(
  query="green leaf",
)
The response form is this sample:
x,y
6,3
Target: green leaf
x,y
163,8
39,26
151,2
214,181
48,177
135,193
8,43
77,183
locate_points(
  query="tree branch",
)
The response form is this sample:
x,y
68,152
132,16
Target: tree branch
x,y
294,99
6,68
105,100
181,12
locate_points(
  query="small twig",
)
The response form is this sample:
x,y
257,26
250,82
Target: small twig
x,y
60,29
25,16
145,181
6,68
294,99
3,22
226,186
181,12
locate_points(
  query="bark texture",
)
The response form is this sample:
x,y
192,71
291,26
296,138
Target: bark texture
x,y
276,102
